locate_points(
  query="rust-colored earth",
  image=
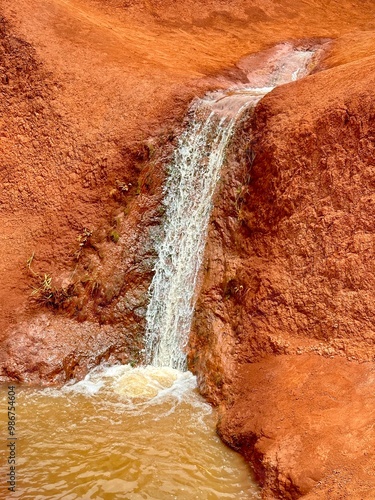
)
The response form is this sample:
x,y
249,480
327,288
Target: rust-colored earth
x,y
93,94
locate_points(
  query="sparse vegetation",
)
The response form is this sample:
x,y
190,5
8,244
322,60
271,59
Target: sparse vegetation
x,y
43,291
243,189
92,285
123,187
161,209
150,149
83,241
218,380
114,236
234,289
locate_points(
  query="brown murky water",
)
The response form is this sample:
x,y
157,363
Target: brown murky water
x,y
122,433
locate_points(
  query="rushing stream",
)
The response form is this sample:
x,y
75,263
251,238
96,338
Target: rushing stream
x,y
145,433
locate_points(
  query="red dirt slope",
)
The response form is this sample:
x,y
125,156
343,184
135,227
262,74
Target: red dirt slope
x,y
93,94
286,306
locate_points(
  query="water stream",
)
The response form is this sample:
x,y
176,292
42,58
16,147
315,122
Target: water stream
x,y
192,179
193,176
145,433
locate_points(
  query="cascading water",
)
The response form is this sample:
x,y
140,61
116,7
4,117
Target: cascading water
x,y
193,176
192,179
145,432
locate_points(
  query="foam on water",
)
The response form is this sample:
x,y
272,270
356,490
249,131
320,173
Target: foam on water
x,y
140,387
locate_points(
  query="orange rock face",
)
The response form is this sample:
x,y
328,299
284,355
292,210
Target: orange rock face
x,y
305,423
284,312
92,96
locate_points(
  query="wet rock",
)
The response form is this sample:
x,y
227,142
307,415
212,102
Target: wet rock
x,y
306,425
297,249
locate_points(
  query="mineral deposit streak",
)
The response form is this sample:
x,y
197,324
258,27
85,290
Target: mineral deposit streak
x,y
190,187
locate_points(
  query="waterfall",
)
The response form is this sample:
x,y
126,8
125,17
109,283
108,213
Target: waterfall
x,y
192,178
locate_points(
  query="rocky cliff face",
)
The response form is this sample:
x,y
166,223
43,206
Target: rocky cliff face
x,y
92,96
288,285
79,206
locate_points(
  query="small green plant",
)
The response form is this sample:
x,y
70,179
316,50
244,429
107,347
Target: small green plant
x,y
114,236
83,241
44,293
29,263
45,287
47,295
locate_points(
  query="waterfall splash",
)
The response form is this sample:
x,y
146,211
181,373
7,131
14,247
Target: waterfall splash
x,y
190,187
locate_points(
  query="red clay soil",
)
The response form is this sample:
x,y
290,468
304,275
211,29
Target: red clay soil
x,y
90,91
92,96
283,337
306,425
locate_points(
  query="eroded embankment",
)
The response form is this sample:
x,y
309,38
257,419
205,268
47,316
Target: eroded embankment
x,y
71,142
79,210
283,337
91,92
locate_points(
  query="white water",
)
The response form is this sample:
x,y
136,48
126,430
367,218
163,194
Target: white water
x,y
193,176
190,187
